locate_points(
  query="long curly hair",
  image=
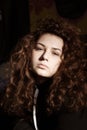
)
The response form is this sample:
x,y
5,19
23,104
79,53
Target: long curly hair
x,y
69,83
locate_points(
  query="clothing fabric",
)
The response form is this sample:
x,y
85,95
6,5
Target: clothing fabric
x,y
60,120
23,125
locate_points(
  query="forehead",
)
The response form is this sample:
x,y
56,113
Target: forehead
x,y
50,40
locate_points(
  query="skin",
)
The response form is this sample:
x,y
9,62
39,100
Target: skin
x,y
46,56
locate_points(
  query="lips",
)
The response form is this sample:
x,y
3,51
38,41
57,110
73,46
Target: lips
x,y
42,66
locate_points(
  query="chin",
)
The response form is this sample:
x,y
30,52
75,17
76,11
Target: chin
x,y
43,75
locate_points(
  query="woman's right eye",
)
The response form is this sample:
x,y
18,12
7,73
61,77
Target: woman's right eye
x,y
38,48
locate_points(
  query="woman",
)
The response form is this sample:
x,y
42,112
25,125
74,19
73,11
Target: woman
x,y
47,88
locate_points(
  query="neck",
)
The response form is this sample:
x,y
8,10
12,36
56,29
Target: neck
x,y
41,80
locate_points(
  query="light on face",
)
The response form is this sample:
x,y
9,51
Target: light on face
x,y
46,56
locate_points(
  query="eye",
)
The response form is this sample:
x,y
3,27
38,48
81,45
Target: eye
x,y
56,53
39,48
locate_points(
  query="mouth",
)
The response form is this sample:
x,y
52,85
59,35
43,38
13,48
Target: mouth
x,y
42,66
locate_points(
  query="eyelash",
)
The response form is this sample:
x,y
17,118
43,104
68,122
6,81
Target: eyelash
x,y
56,53
38,48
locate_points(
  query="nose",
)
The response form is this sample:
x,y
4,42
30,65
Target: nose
x,y
45,55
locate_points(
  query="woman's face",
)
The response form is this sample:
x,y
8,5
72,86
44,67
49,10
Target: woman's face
x,y
46,56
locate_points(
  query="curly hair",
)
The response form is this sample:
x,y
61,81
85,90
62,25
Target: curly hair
x,y
69,83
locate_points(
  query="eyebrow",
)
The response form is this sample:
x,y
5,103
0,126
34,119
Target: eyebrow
x,y
52,48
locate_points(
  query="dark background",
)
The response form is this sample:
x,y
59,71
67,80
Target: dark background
x,y
14,23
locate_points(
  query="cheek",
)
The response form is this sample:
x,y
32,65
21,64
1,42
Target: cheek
x,y
53,69
56,65
35,58
35,55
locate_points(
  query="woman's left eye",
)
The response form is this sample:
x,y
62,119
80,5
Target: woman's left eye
x,y
56,53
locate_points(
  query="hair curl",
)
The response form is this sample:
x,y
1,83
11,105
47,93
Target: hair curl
x,y
69,82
